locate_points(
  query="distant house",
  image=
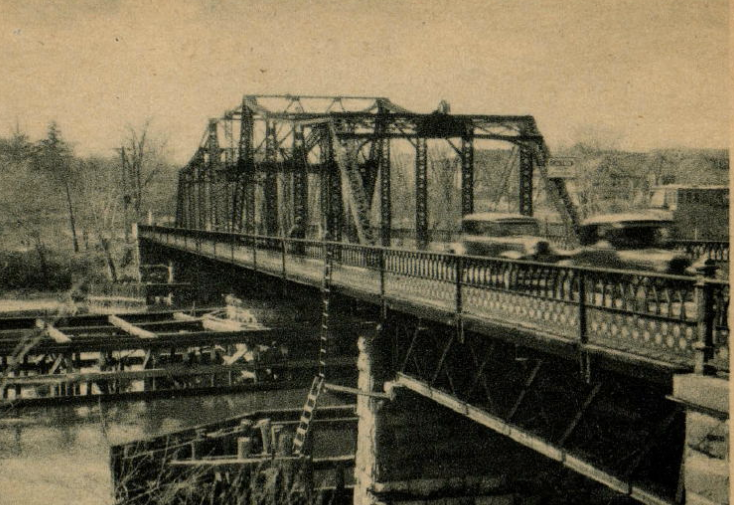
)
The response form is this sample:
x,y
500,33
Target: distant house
x,y
699,212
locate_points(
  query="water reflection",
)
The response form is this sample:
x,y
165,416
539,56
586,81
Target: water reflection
x,y
59,455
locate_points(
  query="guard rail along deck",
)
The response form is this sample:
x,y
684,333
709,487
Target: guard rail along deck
x,y
676,320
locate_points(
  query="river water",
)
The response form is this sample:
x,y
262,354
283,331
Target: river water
x,y
59,455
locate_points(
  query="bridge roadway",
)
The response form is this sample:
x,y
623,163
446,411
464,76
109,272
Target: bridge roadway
x,y
641,318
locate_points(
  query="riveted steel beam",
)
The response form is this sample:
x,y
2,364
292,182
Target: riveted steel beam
x,y
467,175
526,181
270,182
421,193
300,184
385,191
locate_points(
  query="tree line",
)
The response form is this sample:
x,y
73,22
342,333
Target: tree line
x,y
54,202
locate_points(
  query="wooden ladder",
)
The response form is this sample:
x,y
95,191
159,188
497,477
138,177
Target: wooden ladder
x,y
317,386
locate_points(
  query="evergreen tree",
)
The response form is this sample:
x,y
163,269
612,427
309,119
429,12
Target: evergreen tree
x,y
54,158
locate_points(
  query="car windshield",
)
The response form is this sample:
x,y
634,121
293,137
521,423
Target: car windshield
x,y
494,229
637,237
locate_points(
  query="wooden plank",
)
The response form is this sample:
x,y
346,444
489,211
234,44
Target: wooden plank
x,y
171,371
233,463
242,349
57,364
217,324
130,328
57,335
353,391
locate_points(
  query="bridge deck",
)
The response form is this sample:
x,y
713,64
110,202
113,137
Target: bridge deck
x,y
657,318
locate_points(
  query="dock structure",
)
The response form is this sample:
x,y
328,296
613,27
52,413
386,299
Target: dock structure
x,y
82,358
218,462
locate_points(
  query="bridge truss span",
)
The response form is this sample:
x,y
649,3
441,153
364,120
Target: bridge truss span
x,y
308,166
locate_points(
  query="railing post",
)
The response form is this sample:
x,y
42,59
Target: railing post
x,y
254,253
459,262
704,346
234,239
584,358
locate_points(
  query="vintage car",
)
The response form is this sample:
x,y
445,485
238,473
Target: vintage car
x,y
628,242
503,235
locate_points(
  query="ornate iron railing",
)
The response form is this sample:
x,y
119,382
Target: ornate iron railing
x,y
717,250
674,319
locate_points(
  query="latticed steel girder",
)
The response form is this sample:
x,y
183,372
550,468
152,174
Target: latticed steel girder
x,y
621,427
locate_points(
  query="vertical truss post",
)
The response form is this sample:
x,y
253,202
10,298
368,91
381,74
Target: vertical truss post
x,y
200,192
526,181
214,162
369,170
182,203
193,194
421,193
300,183
190,199
331,189
270,188
180,200
246,163
324,154
467,175
385,191
183,190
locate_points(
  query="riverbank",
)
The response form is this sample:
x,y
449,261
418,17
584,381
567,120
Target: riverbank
x,y
60,455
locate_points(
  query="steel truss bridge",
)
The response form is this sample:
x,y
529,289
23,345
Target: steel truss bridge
x,y
464,331
339,148
475,334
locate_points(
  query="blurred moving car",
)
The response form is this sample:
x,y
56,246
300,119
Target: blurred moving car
x,y
629,242
503,235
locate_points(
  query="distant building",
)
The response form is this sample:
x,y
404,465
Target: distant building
x,y
699,212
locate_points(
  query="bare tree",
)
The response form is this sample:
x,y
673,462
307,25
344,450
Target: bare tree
x,y
101,192
141,158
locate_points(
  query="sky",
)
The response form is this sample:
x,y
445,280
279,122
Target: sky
x,y
651,73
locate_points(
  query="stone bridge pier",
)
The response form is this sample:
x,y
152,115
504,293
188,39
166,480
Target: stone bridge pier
x,y
549,434
411,450
706,456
